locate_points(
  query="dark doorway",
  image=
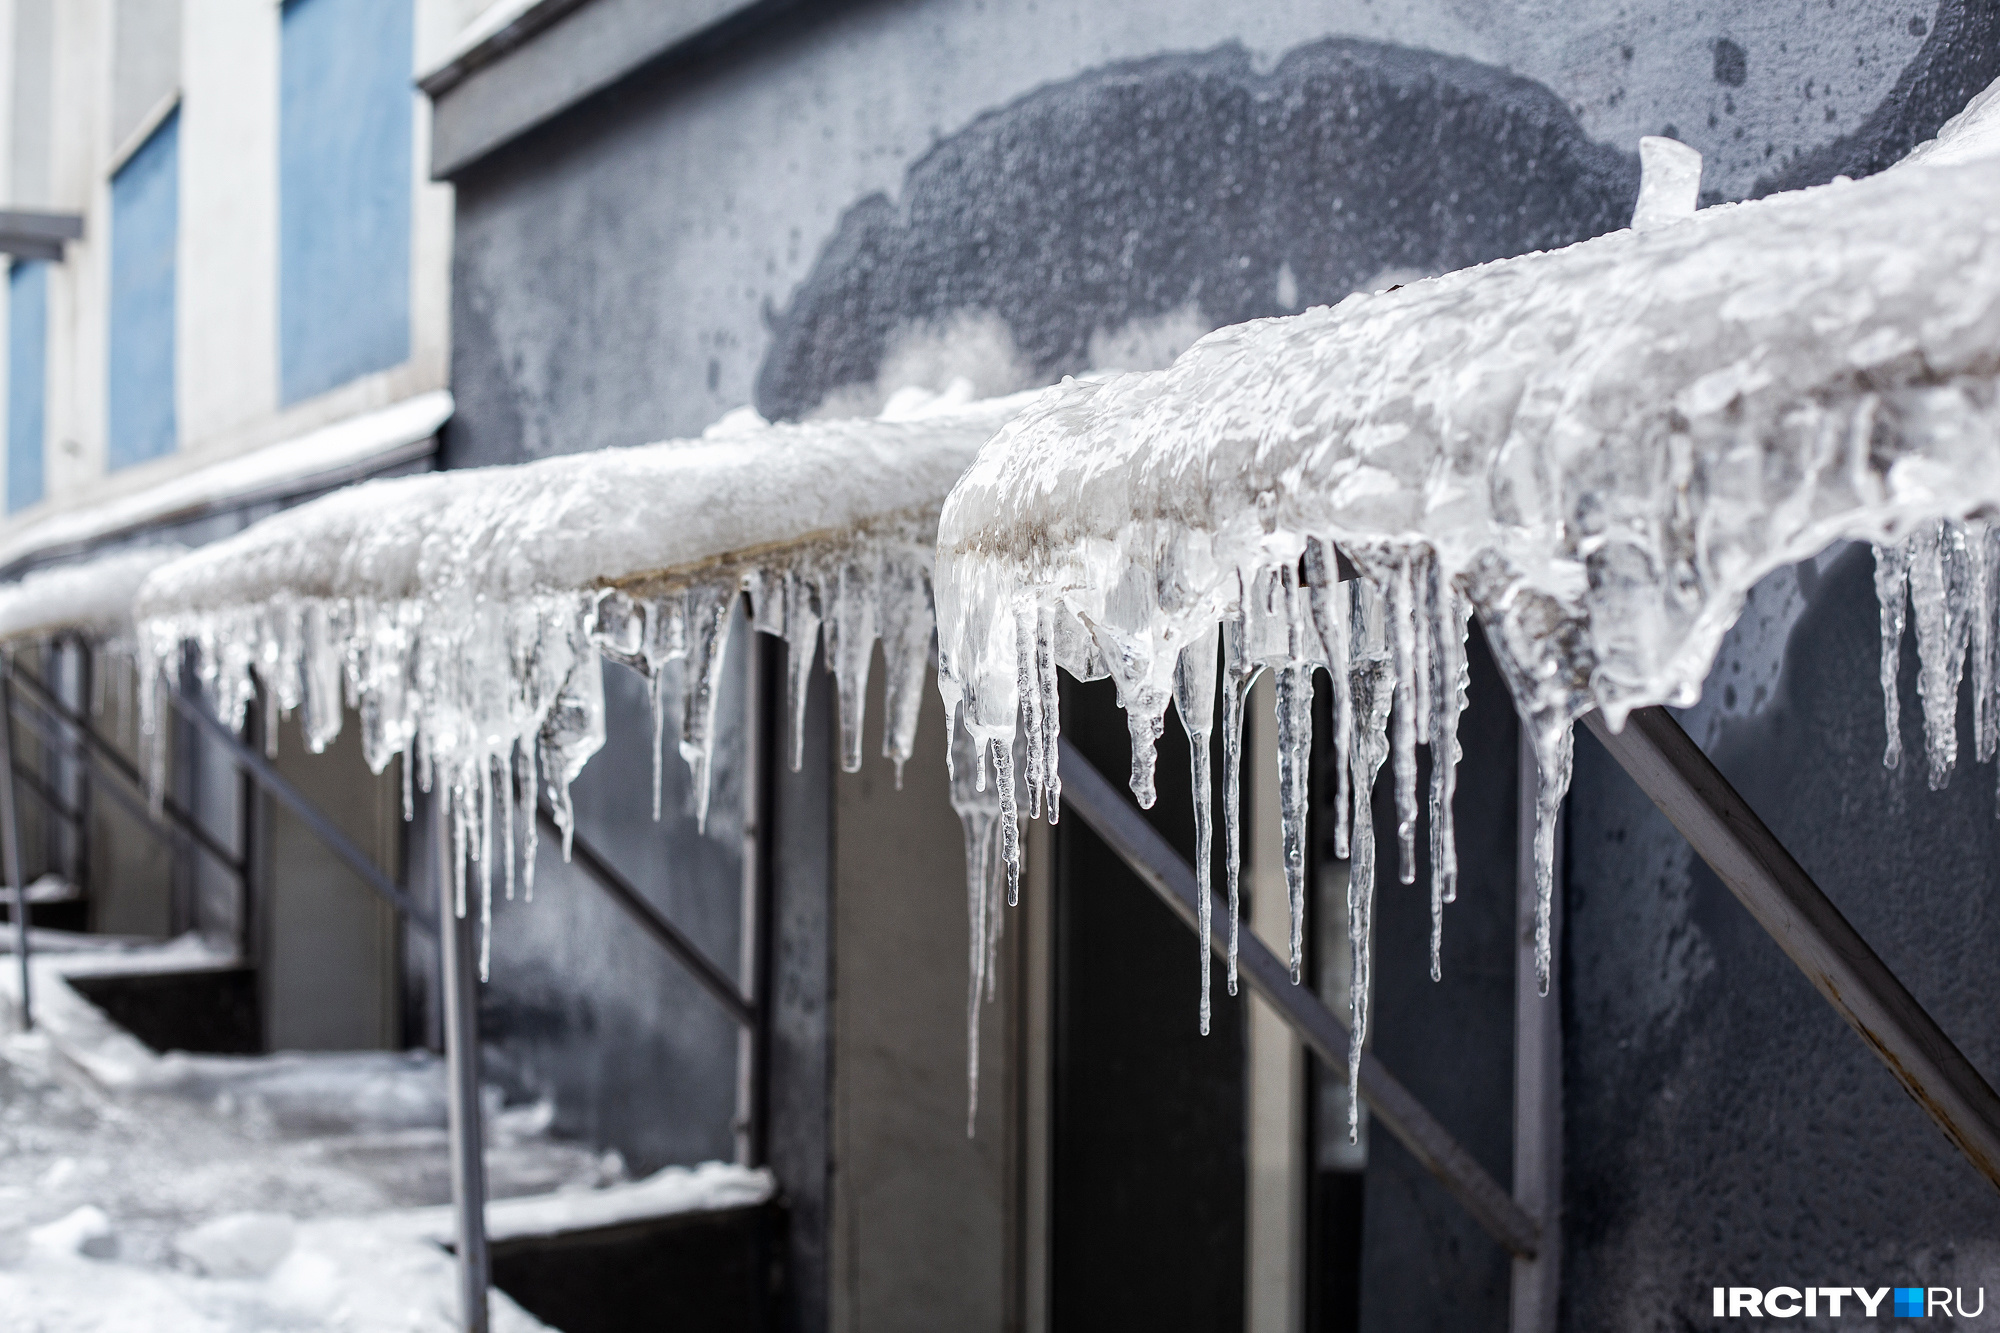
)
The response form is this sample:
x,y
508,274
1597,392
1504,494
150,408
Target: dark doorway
x,y
1147,1197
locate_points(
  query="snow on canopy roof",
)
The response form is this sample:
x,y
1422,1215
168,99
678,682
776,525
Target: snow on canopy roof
x,y
1598,449
656,513
93,597
465,612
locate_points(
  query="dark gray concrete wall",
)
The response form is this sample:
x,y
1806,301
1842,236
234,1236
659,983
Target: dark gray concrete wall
x,y
1725,1126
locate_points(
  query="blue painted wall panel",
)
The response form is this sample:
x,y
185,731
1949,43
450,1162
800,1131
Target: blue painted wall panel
x,y
27,380
145,224
346,107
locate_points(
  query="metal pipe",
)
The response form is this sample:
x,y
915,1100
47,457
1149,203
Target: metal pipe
x,y
1092,797
1535,1287
328,832
10,845
1720,825
712,978
458,946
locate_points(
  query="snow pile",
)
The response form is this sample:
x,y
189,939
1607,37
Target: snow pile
x,y
1597,450
93,597
300,1191
669,1192
464,613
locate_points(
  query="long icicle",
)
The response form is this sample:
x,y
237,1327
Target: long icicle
x,y
1373,682
1555,750
1892,575
1294,707
1194,699
1236,677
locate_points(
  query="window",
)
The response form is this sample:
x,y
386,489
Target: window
x,y
145,221
27,380
344,164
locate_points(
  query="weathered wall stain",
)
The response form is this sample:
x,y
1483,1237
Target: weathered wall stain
x,y
1141,188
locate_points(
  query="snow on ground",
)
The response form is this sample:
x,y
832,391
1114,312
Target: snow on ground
x,y
182,1193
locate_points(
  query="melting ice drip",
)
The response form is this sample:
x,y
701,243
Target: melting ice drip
x,y
1949,573
498,699
1598,451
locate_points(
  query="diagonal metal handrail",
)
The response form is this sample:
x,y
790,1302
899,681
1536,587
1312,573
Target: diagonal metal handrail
x,y
179,823
654,922
1747,857
306,810
1153,859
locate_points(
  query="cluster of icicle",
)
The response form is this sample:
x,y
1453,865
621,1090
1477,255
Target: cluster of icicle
x,y
1597,450
1948,572
500,703
1392,640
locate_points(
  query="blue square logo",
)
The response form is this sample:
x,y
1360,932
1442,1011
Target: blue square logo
x,y
1909,1302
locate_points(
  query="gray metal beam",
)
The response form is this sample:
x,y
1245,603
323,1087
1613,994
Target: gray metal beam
x,y
10,852
32,235
1090,795
459,946
667,935
1536,1281
1671,769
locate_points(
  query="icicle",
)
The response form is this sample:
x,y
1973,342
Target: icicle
x,y
1372,681
1332,611
978,811
1940,587
1892,574
507,803
1294,698
1980,593
1029,690
1403,634
708,610
802,630
850,641
1194,699
1010,827
1452,675
1555,748
1237,673
908,632
656,696
1051,710
1144,725
530,820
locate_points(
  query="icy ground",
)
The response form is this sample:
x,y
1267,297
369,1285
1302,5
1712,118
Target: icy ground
x,y
294,1191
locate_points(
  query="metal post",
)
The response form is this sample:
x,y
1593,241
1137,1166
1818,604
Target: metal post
x,y
10,842
458,942
1720,825
1537,1074
86,692
749,1052
1090,795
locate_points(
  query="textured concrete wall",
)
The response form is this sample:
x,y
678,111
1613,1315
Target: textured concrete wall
x,y
883,195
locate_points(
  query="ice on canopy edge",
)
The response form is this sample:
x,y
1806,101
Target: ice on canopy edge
x,y
1597,450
